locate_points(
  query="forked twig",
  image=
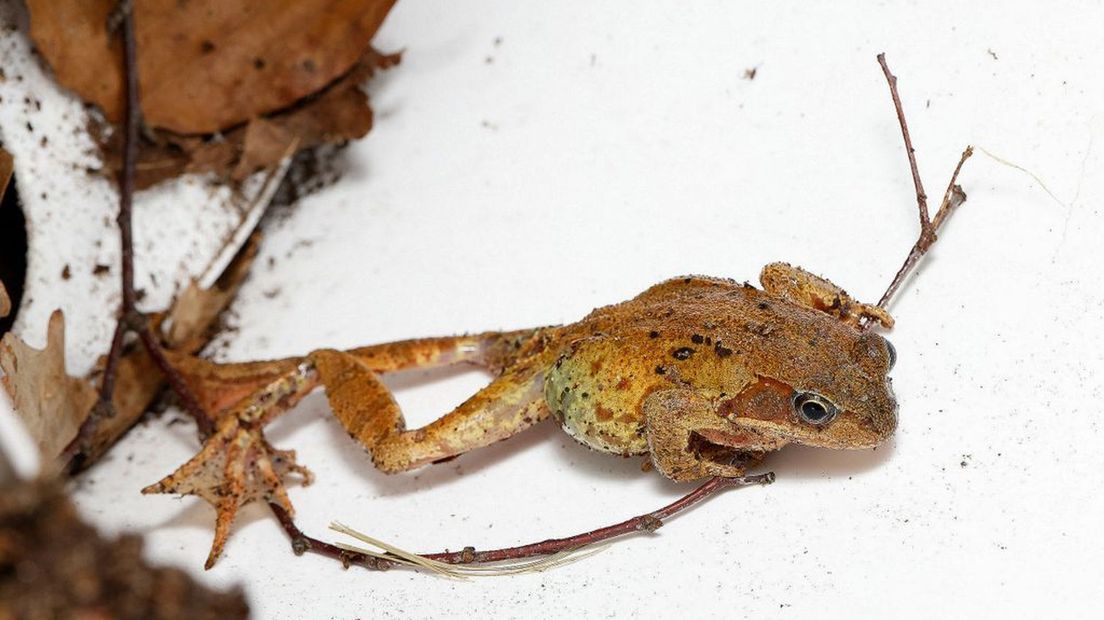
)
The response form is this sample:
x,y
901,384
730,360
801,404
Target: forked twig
x,y
952,198
130,319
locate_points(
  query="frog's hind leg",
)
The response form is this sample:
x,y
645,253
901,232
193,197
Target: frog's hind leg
x,y
365,407
237,465
218,386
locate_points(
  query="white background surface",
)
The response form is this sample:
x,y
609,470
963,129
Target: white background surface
x,y
597,149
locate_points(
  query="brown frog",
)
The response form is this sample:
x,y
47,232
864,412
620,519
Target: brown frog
x,y
702,375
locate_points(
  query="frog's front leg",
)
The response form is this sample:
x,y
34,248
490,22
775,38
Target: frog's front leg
x,y
688,439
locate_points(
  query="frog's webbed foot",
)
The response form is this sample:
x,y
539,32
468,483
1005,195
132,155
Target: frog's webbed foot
x,y
236,466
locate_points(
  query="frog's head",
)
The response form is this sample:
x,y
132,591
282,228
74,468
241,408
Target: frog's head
x,y
846,404
821,378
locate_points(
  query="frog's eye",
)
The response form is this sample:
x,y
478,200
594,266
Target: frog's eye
x,y
814,408
892,354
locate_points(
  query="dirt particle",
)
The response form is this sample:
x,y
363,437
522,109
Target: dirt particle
x,y
66,273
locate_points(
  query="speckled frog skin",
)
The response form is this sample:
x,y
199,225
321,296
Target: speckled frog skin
x,y
704,372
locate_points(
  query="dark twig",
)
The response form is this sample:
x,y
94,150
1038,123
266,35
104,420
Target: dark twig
x,y
644,523
650,522
952,198
302,543
130,319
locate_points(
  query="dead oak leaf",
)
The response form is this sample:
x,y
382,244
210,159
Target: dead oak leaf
x,y
206,65
51,403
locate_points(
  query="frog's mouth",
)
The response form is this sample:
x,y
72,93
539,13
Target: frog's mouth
x,y
739,439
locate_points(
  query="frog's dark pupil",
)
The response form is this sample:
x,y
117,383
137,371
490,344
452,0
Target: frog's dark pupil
x,y
813,411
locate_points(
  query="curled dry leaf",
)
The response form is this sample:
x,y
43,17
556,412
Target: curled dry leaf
x,y
51,403
210,69
191,320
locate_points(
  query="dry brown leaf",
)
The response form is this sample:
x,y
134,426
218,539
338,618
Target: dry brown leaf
x,y
138,380
207,65
51,403
6,166
337,114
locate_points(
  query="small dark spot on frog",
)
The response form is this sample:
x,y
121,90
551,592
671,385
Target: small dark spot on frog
x,y
206,47
653,334
258,63
697,339
763,305
661,370
682,353
721,350
586,394
624,383
688,280
708,341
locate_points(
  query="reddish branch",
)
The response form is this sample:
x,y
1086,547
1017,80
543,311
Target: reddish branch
x,y
953,197
650,522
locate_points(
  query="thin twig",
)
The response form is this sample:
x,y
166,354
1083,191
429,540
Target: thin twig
x,y
302,543
921,195
644,523
952,198
130,319
650,522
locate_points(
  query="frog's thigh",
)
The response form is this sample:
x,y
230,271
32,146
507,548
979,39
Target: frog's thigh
x,y
671,416
368,411
220,385
490,349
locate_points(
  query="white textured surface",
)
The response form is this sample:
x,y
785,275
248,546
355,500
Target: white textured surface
x,y
600,148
